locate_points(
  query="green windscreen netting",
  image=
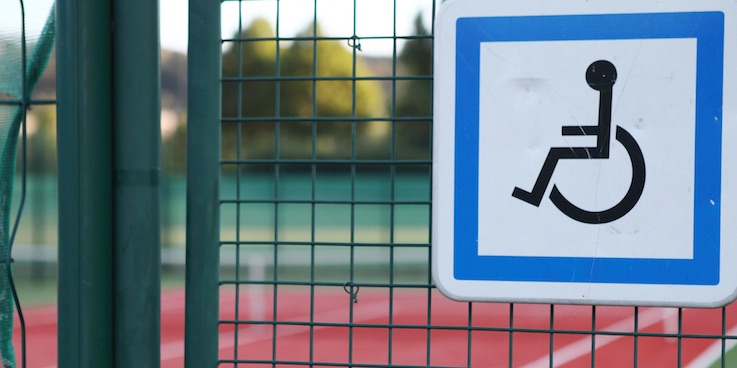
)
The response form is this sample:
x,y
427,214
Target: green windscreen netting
x,y
24,26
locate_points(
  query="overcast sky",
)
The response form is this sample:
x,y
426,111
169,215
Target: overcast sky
x,y
373,18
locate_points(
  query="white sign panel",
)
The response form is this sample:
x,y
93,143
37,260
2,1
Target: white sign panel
x,y
584,152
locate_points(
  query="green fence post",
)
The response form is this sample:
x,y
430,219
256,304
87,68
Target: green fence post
x,y
203,171
137,165
84,96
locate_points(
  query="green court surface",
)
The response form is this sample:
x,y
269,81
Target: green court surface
x,y
730,359
363,205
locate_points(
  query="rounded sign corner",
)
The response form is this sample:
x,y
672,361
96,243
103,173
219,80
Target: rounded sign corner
x,y
727,299
448,293
440,280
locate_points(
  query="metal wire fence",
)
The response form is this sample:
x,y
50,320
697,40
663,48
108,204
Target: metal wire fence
x,y
26,43
325,182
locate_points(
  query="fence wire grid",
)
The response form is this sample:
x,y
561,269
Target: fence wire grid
x,y
325,213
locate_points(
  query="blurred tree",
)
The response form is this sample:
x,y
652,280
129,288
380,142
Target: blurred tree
x,y
173,80
41,130
416,58
252,55
334,98
173,111
255,56
414,96
335,94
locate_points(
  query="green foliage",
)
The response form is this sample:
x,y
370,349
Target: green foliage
x,y
41,148
414,96
334,98
416,58
173,80
251,59
315,79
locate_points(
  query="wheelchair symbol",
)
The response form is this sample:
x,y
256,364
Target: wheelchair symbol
x,y
601,76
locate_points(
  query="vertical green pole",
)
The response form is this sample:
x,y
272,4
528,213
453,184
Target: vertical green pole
x,y
84,96
203,173
137,171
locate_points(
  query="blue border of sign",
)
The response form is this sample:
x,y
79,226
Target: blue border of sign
x,y
708,29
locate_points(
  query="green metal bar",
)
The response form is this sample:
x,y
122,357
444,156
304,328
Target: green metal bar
x,y
313,182
593,336
203,170
309,79
511,334
85,184
239,132
635,330
551,342
323,38
277,182
723,352
392,197
137,172
469,335
680,337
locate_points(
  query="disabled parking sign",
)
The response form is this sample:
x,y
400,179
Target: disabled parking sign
x,y
585,152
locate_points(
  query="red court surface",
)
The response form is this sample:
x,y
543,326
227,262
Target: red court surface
x,y
448,339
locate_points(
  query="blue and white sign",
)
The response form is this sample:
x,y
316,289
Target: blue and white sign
x,y
585,152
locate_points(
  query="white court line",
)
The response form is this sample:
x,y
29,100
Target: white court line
x,y
175,349
714,352
582,347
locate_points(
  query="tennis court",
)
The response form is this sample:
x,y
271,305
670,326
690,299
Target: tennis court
x,y
330,329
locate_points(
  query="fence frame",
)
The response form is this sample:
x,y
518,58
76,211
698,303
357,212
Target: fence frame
x,y
203,184
203,236
109,150
84,105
